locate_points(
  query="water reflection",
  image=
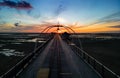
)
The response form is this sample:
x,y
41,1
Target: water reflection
x,y
11,52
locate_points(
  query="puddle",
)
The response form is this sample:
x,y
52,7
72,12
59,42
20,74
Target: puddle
x,y
31,40
11,52
16,43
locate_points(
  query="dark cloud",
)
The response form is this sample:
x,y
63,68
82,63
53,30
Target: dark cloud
x,y
117,26
16,24
17,5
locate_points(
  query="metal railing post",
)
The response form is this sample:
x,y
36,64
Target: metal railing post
x,y
94,63
102,71
88,59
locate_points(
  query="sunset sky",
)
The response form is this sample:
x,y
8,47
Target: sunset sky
x,y
84,16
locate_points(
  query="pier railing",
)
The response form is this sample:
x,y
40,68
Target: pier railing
x,y
102,70
20,66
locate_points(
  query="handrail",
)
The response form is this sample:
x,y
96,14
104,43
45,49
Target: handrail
x,y
104,71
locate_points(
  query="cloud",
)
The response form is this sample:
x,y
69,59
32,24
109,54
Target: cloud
x,y
111,18
115,17
33,14
24,18
16,24
24,28
116,26
61,8
17,5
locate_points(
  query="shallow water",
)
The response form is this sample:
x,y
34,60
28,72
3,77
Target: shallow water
x,y
11,52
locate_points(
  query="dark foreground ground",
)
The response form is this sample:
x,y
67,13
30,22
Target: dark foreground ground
x,y
107,51
6,62
22,44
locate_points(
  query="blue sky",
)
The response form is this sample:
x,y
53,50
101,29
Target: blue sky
x,y
77,10
83,12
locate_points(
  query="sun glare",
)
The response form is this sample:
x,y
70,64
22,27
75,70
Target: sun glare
x,y
61,20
